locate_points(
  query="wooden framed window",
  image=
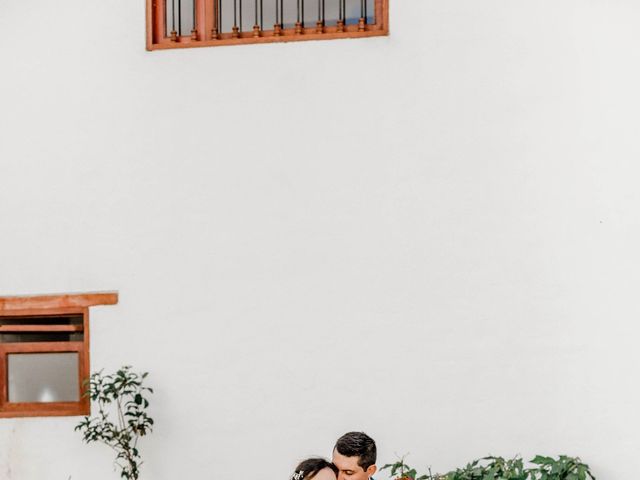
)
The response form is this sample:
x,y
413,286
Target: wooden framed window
x,y
209,23
44,354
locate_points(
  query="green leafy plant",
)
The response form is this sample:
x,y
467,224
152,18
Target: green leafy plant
x,y
401,471
122,416
563,468
499,468
491,468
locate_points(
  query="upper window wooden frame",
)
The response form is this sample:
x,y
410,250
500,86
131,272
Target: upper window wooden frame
x,y
208,29
47,316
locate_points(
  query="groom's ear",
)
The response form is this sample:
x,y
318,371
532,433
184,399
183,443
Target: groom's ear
x,y
371,470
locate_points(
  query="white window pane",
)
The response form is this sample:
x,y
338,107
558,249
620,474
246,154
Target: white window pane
x,y
43,377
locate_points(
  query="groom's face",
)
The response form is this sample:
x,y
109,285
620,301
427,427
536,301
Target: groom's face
x,y
348,468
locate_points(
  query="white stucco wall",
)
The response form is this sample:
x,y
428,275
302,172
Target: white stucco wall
x,y
432,237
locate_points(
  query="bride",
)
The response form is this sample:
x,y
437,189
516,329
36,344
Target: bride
x,y
316,469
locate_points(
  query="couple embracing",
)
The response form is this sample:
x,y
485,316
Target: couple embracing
x,y
354,458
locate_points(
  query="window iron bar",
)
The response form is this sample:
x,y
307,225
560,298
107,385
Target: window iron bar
x,y
235,31
363,16
341,15
320,21
277,28
256,21
298,22
174,34
194,29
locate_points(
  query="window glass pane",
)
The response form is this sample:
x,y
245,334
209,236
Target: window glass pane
x,y
182,19
43,320
43,377
31,337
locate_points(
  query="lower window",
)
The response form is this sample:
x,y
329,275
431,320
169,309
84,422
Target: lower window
x,y
44,364
44,354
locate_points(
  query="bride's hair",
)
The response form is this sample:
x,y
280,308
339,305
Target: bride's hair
x,y
309,468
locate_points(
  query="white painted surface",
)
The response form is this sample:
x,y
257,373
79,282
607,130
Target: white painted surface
x,y
432,237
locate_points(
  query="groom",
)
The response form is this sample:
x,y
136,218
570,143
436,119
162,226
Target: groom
x,y
355,456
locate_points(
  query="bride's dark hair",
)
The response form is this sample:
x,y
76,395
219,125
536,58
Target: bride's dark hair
x,y
311,467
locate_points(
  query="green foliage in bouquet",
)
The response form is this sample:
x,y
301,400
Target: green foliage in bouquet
x,y
563,468
401,471
491,468
499,468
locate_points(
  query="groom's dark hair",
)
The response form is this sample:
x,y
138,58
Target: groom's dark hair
x,y
358,444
